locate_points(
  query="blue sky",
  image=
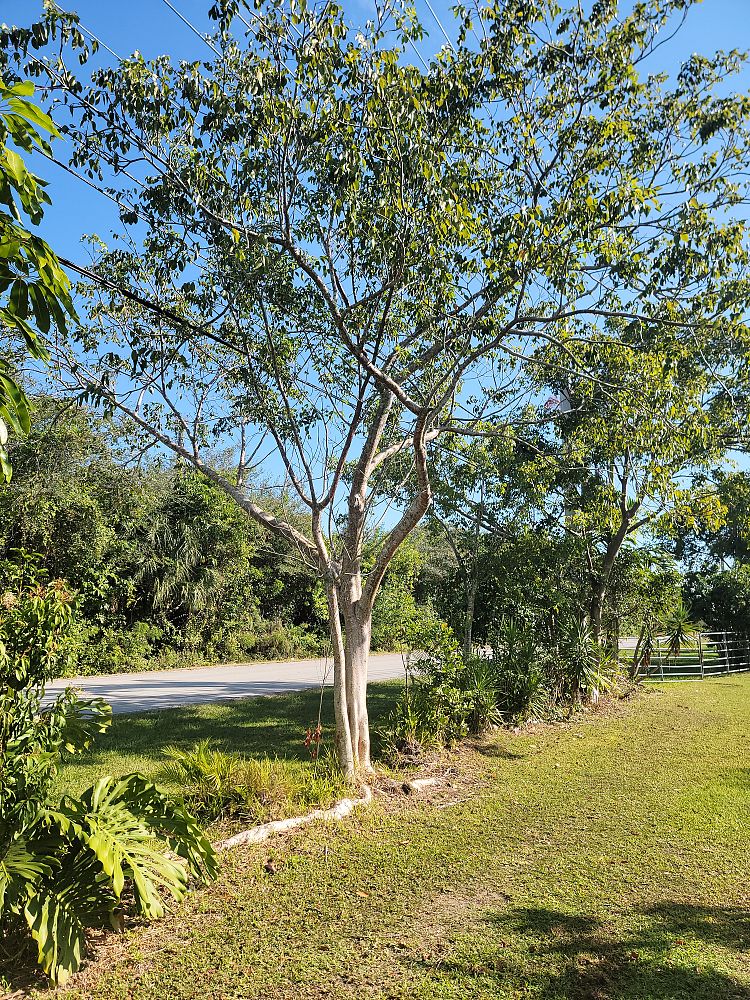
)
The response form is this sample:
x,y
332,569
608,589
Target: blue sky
x,y
152,28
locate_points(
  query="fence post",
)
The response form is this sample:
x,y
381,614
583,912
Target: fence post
x,y
700,654
726,651
661,658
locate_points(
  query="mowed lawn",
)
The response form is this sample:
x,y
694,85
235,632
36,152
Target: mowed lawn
x,y
606,858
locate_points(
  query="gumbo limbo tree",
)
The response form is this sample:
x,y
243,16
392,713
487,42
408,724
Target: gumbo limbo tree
x,y
332,258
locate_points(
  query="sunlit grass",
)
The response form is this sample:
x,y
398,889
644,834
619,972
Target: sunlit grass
x,y
606,859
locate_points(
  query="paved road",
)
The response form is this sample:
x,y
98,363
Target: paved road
x,y
156,689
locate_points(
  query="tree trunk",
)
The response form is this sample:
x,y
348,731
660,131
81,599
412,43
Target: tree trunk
x,y
600,579
351,651
596,607
471,600
357,654
343,740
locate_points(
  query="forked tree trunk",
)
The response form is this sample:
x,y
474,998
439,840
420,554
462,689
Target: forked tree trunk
x,y
350,604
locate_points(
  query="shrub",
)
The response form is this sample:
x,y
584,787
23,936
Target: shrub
x,y
519,678
518,661
584,669
216,784
115,650
64,867
437,706
721,599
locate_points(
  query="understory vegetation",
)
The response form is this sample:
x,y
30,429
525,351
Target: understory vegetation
x,y
80,861
164,569
517,677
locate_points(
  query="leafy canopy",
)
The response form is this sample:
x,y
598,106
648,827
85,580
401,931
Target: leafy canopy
x,y
34,290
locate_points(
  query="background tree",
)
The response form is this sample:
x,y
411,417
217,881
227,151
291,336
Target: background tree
x,y
340,257
163,564
619,473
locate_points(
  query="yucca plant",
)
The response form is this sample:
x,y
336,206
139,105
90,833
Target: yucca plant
x,y
517,658
587,668
480,682
680,630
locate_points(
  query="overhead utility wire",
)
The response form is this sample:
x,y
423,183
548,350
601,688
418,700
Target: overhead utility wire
x,y
192,27
140,300
250,28
439,23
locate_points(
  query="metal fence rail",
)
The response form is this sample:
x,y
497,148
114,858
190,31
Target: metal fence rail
x,y
709,654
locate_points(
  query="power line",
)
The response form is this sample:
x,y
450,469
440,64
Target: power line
x,y
192,27
141,300
419,55
439,23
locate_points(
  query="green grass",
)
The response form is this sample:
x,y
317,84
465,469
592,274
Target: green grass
x,y
603,860
272,727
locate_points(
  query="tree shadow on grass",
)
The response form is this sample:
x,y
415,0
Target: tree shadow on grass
x,y
497,752
272,726
737,778
571,957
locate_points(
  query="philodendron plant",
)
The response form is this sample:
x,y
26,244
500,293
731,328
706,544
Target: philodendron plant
x,y
64,866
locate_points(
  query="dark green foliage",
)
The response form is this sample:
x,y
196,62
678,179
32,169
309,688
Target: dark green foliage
x,y
165,568
538,578
721,599
64,867
518,677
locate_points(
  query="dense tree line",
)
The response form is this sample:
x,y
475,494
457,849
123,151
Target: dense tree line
x,y
167,569
163,564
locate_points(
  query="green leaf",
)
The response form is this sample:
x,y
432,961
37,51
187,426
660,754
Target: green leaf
x,y
20,870
58,913
118,821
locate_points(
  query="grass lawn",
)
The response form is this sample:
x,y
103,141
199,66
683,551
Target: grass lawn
x,y
273,727
607,858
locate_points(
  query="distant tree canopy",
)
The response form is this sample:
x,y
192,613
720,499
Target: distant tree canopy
x,y
161,561
338,262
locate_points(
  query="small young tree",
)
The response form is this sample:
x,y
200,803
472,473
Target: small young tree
x,y
336,257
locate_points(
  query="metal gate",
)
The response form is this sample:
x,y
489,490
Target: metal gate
x,y
709,654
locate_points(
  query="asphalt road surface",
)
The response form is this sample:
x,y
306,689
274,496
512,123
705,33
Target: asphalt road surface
x,y
155,689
